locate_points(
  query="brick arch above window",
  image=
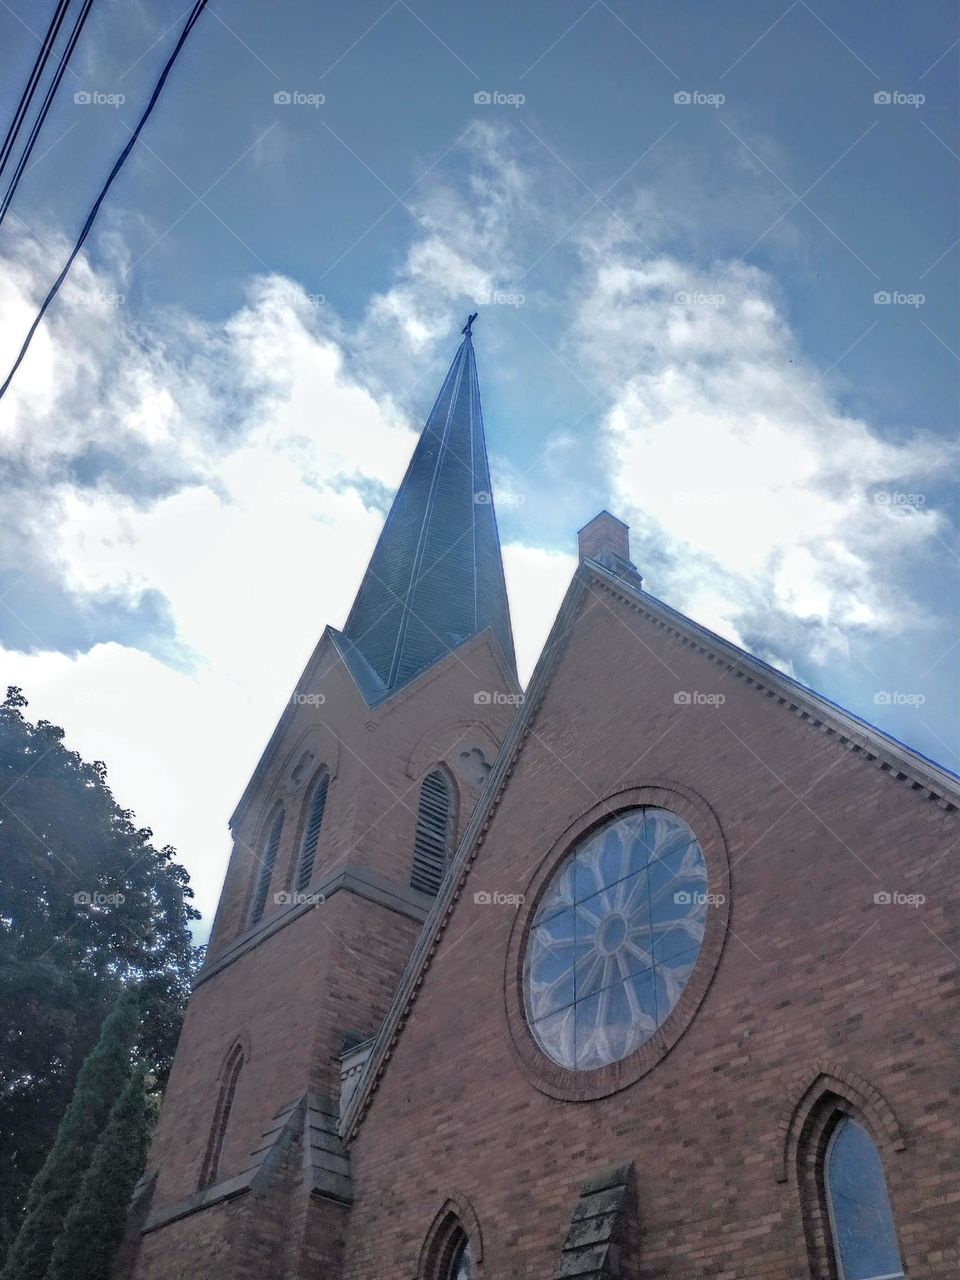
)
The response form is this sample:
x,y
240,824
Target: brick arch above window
x,y
456,1216
315,745
813,1089
227,1080
444,741
240,1041
823,1096
283,780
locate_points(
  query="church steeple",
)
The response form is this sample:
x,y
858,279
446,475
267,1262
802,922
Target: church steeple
x,y
436,575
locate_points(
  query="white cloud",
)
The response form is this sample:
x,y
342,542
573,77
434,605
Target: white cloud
x,y
474,229
728,455
255,530
536,583
236,470
244,457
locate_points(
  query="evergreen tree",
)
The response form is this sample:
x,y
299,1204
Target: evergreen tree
x,y
86,901
94,1228
57,1185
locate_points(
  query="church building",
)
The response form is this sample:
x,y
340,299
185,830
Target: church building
x,y
650,971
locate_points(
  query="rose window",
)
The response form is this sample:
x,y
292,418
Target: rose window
x,y
615,939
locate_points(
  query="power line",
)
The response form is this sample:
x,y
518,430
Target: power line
x,y
26,97
195,13
45,107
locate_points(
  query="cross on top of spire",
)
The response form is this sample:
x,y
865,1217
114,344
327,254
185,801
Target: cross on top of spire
x,y
467,329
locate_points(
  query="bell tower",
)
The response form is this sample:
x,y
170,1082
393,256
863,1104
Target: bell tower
x,y
341,840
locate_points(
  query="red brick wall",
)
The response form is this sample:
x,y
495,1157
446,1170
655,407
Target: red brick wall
x,y
604,533
812,970
332,970
244,1239
380,757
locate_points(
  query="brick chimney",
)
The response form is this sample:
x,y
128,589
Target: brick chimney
x,y
606,540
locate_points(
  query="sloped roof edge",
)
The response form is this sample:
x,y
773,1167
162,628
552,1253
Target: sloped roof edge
x,y
266,755
859,735
369,687
450,889
807,701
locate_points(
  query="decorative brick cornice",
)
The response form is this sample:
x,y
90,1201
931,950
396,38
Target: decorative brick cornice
x,y
874,747
364,883
849,731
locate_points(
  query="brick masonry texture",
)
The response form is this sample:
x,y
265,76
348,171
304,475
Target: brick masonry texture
x,y
812,970
814,981
291,999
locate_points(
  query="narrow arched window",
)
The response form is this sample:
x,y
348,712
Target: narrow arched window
x,y
460,1266
448,1253
311,832
861,1220
221,1117
268,859
431,846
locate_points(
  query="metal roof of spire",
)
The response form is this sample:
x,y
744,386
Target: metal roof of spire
x,y
436,576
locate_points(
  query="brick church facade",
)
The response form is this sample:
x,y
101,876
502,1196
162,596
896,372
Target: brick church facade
x,y
653,972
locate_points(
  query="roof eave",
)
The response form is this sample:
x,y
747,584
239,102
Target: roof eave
x,y
808,702
890,754
280,728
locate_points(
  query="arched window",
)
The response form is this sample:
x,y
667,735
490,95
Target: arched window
x,y
311,832
221,1117
431,846
460,1266
864,1239
267,860
449,1253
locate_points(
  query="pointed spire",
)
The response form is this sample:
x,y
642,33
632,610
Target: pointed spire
x,y
436,575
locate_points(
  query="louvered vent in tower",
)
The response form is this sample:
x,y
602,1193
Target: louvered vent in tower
x,y
311,832
268,859
431,849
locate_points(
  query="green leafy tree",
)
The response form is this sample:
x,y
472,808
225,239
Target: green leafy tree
x,y
86,902
57,1185
94,1227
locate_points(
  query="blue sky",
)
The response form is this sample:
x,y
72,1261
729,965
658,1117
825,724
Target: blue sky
x,y
678,321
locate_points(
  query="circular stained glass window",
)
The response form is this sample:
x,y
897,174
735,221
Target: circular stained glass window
x,y
615,939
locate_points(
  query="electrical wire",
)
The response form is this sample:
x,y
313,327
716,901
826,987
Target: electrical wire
x,y
190,23
26,97
45,107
